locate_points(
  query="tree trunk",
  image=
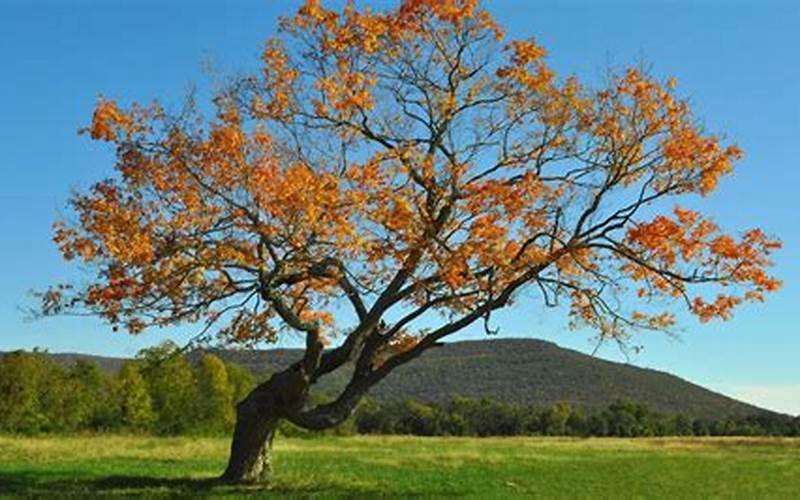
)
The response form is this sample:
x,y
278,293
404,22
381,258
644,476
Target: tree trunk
x,y
251,449
257,418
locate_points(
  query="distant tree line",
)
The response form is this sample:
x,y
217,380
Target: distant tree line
x,y
486,417
161,392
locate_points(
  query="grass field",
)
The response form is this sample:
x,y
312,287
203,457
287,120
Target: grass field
x,y
369,466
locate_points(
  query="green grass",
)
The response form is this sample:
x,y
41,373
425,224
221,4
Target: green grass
x,y
370,466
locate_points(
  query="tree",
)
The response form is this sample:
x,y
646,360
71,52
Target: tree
x,y
405,163
577,423
22,377
554,419
682,425
626,419
136,406
172,387
420,419
215,395
241,381
92,395
65,400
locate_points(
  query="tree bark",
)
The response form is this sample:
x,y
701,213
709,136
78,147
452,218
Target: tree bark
x,y
251,449
257,419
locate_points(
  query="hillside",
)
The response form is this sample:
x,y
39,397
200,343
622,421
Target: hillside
x,y
520,371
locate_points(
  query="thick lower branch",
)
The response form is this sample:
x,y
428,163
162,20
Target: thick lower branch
x,y
332,414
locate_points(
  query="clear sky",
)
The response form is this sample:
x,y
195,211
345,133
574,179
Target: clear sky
x,y
738,62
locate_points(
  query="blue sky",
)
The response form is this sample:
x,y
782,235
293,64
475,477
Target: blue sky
x,y
736,60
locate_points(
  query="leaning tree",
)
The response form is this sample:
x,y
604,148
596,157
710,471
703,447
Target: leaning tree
x,y
402,169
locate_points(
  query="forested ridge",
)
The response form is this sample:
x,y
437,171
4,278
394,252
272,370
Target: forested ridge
x,y
527,372
522,372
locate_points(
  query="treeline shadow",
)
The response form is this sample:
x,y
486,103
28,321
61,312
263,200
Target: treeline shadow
x,y
32,484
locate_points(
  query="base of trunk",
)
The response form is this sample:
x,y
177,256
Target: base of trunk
x,y
251,451
257,418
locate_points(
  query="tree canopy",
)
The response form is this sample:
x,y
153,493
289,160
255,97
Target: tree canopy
x,y
406,162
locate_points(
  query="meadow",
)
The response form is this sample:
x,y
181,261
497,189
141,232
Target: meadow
x,y
409,466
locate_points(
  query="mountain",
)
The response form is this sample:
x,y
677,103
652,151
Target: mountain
x,y
519,371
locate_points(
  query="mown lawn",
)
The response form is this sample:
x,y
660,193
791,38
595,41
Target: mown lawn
x,y
406,466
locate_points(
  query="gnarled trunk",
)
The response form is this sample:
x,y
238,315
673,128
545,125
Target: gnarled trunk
x,y
281,397
250,460
257,419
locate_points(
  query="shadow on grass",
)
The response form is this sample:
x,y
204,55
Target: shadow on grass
x,y
30,483
33,484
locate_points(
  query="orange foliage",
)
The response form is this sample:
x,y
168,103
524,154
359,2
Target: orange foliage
x,y
689,238
106,120
403,152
